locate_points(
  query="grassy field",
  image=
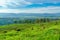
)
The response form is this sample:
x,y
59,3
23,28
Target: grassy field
x,y
37,31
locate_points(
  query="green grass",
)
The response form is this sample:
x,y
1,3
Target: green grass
x,y
42,31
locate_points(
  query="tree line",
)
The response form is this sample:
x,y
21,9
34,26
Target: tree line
x,y
37,20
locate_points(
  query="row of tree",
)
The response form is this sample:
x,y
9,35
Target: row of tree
x,y
41,20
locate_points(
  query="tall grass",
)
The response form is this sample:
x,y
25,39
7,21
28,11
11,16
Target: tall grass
x,y
36,31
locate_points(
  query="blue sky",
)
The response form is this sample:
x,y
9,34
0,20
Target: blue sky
x,y
29,6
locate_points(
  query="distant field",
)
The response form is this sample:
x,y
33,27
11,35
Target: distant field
x,y
37,31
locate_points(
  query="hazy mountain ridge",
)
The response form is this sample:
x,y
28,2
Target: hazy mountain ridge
x,y
4,15
8,18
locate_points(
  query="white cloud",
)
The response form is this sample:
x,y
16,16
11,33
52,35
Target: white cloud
x,y
43,10
13,3
32,10
10,11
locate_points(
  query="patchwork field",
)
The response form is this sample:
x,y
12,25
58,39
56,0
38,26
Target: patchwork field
x,y
37,31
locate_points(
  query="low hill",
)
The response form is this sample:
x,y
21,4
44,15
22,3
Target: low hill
x,y
42,31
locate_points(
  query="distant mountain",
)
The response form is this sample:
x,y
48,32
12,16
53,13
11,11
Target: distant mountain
x,y
8,18
17,15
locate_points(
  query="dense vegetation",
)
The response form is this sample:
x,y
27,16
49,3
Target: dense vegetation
x,y
38,29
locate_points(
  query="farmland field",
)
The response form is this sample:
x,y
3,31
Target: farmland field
x,y
30,31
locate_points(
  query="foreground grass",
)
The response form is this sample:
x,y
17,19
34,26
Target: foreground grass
x,y
43,31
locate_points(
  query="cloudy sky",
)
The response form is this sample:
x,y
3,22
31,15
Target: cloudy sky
x,y
29,6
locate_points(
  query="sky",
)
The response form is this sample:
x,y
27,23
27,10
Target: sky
x,y
29,6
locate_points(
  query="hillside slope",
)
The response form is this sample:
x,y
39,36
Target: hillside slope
x,y
42,31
